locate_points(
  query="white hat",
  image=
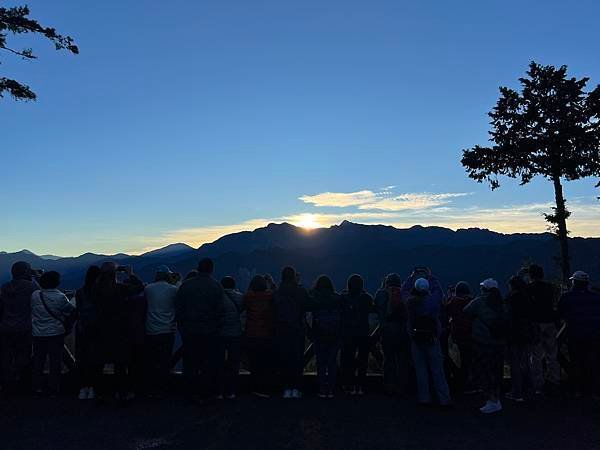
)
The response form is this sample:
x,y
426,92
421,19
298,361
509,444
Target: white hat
x,y
422,285
580,275
489,283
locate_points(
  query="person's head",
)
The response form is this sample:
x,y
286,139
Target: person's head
x,y
462,289
191,274
536,272
108,267
50,280
21,270
355,284
206,266
271,285
393,280
228,282
421,286
163,273
517,284
288,275
488,284
258,284
91,276
580,280
324,285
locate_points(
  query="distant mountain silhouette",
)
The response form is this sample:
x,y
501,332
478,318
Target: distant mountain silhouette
x,y
371,250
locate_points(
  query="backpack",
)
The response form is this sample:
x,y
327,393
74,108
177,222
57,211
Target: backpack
x,y
328,322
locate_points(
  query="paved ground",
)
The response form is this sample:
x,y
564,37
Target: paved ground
x,y
373,421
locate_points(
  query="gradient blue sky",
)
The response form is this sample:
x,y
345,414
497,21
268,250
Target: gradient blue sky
x,y
185,120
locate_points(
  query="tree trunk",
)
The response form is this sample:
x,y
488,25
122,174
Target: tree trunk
x,y
561,223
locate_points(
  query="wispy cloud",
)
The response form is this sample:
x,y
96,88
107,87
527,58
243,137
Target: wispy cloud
x,y
384,200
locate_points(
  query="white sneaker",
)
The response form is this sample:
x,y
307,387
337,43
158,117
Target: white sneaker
x,y
296,393
491,407
287,393
83,393
91,394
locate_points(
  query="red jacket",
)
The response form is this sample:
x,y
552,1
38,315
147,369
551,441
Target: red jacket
x,y
460,323
259,314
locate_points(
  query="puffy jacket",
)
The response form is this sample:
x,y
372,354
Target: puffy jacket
x,y
581,310
355,313
484,314
160,316
233,302
15,305
199,306
43,323
259,314
289,309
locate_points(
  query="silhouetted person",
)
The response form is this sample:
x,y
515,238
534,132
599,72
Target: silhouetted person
x,y
357,305
460,330
87,335
50,309
490,332
230,339
424,302
326,307
115,343
542,296
392,314
290,301
258,303
160,328
15,325
580,308
523,334
200,313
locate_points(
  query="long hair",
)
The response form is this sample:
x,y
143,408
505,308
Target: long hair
x,y
91,276
355,284
288,275
324,284
258,284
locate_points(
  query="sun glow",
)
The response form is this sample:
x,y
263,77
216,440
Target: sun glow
x,y
307,221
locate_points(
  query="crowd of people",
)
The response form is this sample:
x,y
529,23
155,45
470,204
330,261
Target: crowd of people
x,y
448,342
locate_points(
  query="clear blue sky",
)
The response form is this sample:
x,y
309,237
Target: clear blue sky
x,y
184,120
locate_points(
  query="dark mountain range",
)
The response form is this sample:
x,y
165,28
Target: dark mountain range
x,y
371,250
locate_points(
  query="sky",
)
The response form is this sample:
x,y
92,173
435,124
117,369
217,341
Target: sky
x,y
183,121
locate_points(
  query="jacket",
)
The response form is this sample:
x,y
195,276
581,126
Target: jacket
x,y
581,310
484,314
42,323
259,314
289,309
461,325
542,296
423,305
356,308
392,316
233,301
199,306
323,304
15,305
160,315
523,330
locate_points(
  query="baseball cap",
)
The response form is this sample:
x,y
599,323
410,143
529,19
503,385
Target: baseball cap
x,y
163,269
580,275
489,283
422,285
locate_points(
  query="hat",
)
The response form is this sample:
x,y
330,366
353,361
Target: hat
x,y
163,269
489,283
422,285
580,275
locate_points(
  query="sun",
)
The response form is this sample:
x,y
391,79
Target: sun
x,y
307,221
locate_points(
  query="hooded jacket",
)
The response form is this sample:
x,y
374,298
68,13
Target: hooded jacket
x,y
484,313
15,305
43,323
289,308
581,310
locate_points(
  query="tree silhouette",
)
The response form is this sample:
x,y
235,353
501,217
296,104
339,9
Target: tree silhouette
x,y
551,128
14,20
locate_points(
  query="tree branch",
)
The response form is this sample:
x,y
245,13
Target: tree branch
x,y
25,53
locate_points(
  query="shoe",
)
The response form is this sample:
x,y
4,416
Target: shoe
x,y
323,395
220,397
261,394
129,396
331,395
491,407
296,393
287,393
360,391
473,391
83,393
231,397
91,394
514,398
